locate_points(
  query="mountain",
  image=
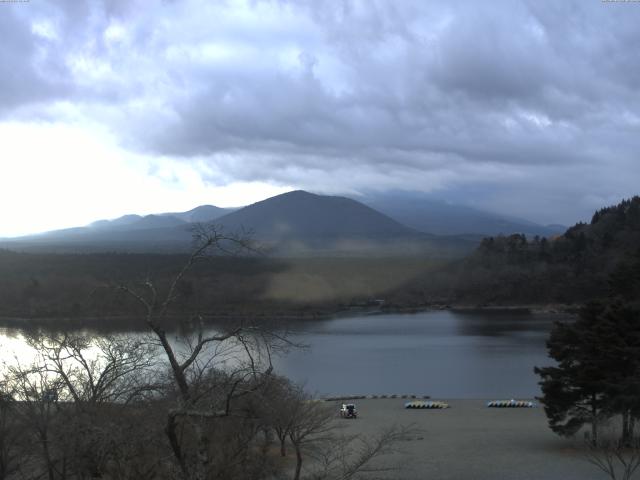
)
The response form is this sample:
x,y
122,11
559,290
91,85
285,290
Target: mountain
x,y
118,227
132,233
289,224
152,233
426,214
303,215
300,222
202,214
117,222
129,222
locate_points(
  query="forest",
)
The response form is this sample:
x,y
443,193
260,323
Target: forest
x,y
567,269
512,270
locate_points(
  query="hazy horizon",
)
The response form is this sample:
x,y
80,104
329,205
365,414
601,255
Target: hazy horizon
x,y
365,200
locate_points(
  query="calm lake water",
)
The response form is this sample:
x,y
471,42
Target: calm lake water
x,y
442,353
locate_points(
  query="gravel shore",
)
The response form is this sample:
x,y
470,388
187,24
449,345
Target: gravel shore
x,y
471,441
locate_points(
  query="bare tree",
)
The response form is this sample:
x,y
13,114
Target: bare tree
x,y
11,450
98,369
348,457
312,423
281,400
97,377
617,457
312,428
71,400
37,394
202,393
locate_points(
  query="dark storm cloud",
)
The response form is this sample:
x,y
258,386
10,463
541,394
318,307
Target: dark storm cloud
x,y
533,99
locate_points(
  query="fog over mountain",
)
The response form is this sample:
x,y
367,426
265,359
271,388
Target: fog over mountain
x,y
428,214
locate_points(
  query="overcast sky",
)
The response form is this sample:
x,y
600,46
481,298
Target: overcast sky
x,y
529,108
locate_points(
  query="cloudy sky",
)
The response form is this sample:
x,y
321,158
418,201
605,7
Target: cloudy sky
x,y
528,108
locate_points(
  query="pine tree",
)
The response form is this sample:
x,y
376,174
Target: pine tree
x,y
573,391
598,370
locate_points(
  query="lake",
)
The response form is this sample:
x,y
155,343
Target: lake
x,y
444,354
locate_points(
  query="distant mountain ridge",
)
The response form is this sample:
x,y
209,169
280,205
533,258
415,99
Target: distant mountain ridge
x,y
203,213
426,214
293,223
120,221
136,222
296,222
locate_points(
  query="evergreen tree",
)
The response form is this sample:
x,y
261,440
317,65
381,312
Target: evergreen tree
x,y
624,281
598,370
573,391
619,324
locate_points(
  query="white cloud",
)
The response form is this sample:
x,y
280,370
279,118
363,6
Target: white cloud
x,y
459,98
56,176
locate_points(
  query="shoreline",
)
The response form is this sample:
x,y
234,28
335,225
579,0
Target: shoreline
x,y
113,322
533,309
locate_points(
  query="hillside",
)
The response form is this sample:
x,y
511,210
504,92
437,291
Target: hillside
x,y
149,221
302,223
162,232
573,267
426,214
306,216
203,214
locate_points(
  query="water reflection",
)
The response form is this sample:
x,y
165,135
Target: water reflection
x,y
443,354
504,323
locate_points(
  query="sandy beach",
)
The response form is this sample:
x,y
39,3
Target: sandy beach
x,y
471,441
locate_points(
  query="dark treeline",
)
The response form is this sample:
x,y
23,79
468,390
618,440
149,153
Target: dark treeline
x,y
571,268
80,286
41,287
506,270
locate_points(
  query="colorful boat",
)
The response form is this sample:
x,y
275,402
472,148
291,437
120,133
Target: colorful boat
x,y
510,404
422,404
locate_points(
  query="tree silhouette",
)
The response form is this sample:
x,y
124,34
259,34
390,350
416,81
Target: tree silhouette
x,y
598,370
